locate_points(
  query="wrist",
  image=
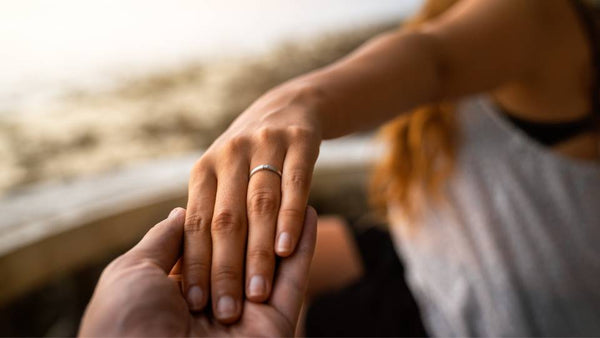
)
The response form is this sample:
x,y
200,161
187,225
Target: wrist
x,y
313,99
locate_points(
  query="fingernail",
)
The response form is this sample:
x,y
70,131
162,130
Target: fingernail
x,y
194,297
175,212
284,242
226,307
257,286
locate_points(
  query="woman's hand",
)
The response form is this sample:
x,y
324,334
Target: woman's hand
x,y
235,222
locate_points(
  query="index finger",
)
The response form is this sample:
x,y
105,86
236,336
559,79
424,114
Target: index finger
x,y
292,276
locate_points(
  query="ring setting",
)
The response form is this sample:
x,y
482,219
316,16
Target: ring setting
x,y
265,167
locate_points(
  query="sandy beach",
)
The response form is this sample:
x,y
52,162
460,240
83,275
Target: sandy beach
x,y
159,114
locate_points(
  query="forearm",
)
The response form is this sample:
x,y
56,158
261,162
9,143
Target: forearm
x,y
477,46
389,75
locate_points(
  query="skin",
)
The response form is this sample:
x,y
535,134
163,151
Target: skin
x,y
136,297
531,56
337,259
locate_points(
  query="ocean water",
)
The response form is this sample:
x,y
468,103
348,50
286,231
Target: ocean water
x,y
49,46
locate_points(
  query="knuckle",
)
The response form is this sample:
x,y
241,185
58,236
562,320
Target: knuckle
x,y
265,134
296,179
293,284
262,202
293,214
226,273
195,223
261,254
298,133
197,268
304,250
201,165
236,145
226,222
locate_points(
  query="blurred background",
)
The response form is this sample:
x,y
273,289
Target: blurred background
x,y
105,105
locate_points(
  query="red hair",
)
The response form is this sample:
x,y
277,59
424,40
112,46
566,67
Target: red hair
x,y
421,145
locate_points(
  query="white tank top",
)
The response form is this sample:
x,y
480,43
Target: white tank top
x,y
515,249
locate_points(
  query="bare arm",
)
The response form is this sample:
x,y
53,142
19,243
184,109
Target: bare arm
x,y
236,224
476,46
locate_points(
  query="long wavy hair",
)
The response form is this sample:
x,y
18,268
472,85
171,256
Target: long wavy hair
x,y
421,146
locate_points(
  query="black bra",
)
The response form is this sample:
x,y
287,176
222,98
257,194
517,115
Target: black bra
x,y
550,134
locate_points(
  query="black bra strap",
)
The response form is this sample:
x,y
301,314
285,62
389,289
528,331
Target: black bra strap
x,y
589,14
551,134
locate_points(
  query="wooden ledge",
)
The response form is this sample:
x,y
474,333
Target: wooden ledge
x,y
52,228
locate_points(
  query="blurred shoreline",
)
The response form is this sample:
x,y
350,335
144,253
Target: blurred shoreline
x,y
48,46
169,112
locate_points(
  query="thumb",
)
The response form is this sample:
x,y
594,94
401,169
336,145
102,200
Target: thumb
x,y
162,243
292,275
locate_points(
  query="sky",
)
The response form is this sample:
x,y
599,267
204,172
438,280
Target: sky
x,y
46,46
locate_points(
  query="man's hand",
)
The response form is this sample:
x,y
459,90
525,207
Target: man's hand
x,y
135,296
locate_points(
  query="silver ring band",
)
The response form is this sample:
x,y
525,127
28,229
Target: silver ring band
x,y
265,167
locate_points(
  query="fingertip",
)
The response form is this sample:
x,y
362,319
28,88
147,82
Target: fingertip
x,y
195,298
227,310
311,215
284,244
177,214
257,290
